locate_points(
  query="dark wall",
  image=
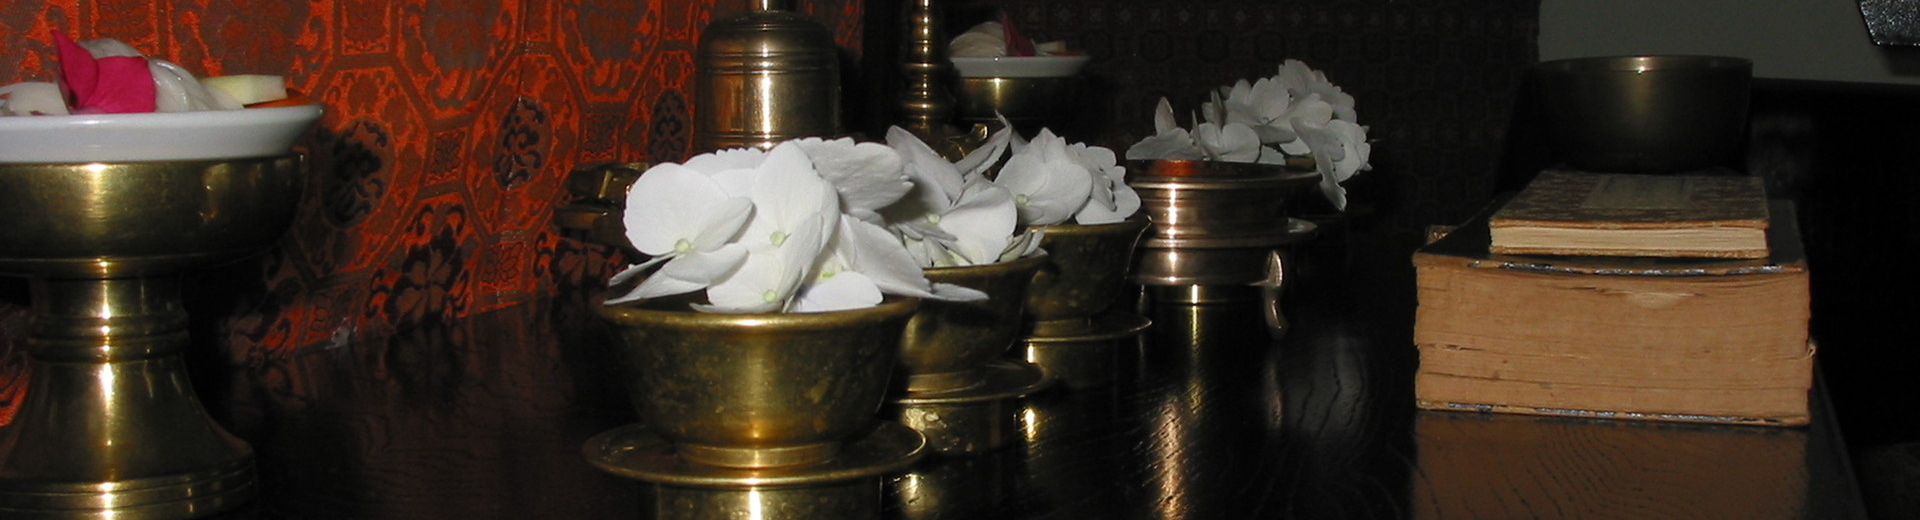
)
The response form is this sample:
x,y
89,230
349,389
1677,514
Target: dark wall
x,y
1849,155
1434,80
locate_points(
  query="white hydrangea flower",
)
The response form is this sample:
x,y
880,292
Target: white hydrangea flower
x,y
1266,121
951,217
787,230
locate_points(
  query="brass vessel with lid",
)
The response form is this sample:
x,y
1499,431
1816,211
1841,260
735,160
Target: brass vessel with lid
x,y
764,76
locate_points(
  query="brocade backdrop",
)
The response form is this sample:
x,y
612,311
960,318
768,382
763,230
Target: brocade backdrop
x,y
451,128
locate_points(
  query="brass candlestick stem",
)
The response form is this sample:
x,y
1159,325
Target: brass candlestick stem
x,y
110,427
926,106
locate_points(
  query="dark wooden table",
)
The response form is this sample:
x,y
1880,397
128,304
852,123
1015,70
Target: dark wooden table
x,y
1206,417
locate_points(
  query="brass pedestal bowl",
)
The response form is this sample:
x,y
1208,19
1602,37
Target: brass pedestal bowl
x,y
110,427
959,384
772,413
1075,309
1219,230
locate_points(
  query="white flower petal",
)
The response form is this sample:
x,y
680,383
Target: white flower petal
x,y
768,279
1231,142
672,209
867,176
728,159
1163,121
847,290
688,273
956,293
887,262
981,159
936,182
981,224
1175,145
1125,202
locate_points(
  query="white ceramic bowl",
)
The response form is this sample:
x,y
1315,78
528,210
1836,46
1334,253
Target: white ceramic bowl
x,y
1020,67
158,136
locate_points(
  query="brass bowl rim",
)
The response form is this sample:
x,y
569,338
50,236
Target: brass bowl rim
x,y
686,318
1183,168
1644,63
137,166
1138,219
1026,262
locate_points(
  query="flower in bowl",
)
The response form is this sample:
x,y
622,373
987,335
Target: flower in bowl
x,y
110,103
1297,112
997,49
1054,181
955,215
793,229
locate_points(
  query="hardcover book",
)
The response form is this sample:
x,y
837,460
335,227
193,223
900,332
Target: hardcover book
x,y
1617,214
1682,339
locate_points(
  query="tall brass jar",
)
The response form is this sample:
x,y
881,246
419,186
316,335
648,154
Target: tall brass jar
x,y
764,76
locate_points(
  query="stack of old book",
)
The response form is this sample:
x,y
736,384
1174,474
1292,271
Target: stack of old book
x,y
1672,297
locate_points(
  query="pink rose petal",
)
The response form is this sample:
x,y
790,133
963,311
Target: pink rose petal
x,y
126,86
110,85
78,72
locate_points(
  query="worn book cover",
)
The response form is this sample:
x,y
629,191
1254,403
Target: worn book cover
x,y
1688,339
1616,214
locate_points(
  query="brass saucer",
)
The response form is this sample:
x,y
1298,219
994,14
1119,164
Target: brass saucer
x,y
632,452
1107,326
979,419
1000,380
1088,358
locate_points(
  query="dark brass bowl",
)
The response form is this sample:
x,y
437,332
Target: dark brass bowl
x,y
1028,103
947,344
1215,200
1646,114
758,390
1085,274
102,220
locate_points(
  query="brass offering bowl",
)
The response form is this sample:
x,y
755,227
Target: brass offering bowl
x,y
1028,103
947,345
1213,222
758,390
110,427
1215,200
1646,114
1086,275
959,384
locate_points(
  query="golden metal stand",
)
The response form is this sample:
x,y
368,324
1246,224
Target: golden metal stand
x,y
110,427
925,104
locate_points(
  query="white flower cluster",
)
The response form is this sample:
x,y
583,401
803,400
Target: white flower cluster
x,y
817,225
955,215
793,229
1296,112
1046,177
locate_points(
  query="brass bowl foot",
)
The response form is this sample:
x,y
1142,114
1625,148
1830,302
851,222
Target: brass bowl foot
x,y
979,420
633,452
1089,358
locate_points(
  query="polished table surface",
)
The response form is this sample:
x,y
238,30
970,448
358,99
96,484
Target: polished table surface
x,y
1204,416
